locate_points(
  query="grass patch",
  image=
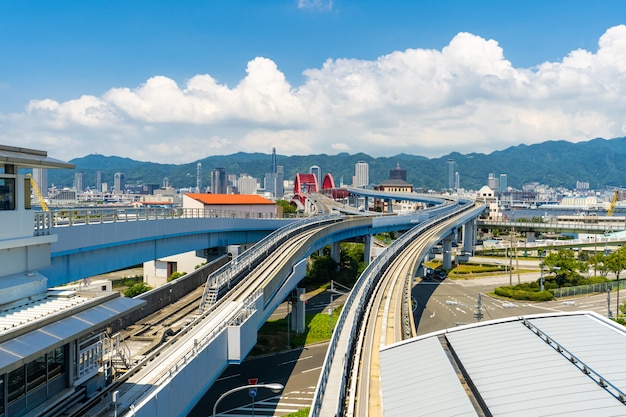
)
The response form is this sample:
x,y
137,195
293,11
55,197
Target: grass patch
x,y
272,336
301,413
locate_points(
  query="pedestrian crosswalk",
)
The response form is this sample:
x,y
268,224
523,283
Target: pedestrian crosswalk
x,y
279,405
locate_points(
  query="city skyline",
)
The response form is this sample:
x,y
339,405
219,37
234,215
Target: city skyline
x,y
175,83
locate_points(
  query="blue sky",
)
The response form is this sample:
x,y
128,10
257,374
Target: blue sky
x,y
152,79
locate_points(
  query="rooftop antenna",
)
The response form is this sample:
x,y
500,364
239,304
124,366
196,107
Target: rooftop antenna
x,y
274,166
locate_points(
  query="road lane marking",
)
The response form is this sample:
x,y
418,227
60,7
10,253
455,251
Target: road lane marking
x,y
295,360
227,377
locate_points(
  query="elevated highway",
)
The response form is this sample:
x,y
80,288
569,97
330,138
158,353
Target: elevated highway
x,y
555,226
96,241
174,376
366,322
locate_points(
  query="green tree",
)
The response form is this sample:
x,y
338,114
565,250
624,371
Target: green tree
x,y
616,264
286,206
176,275
563,268
136,289
599,261
616,261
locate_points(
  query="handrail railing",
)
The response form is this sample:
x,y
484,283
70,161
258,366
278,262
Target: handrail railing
x,y
229,273
46,220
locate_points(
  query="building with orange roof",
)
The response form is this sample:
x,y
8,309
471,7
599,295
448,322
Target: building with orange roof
x,y
242,203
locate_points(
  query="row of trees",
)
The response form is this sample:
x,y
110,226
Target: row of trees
x,y
563,268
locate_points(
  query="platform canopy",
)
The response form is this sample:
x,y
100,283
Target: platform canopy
x,y
29,158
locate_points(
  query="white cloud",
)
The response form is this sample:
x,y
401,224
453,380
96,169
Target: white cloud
x,y
466,97
315,4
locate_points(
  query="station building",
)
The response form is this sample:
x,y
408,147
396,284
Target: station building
x,y
54,343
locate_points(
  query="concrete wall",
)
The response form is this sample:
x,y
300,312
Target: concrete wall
x,y
155,272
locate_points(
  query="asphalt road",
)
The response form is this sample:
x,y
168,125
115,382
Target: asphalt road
x,y
450,303
297,369
440,305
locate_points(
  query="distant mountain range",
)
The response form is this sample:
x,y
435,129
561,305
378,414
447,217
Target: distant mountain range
x,y
600,162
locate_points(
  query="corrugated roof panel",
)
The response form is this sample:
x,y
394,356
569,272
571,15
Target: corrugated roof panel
x,y
597,343
425,385
24,348
517,373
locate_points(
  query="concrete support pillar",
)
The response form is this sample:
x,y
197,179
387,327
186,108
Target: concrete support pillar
x,y
389,206
366,205
530,236
335,252
447,252
469,236
367,249
298,311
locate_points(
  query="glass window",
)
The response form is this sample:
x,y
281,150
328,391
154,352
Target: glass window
x,y
7,193
1,394
55,362
17,384
35,373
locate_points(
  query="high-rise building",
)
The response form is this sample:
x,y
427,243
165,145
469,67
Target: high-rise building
x,y
397,173
218,181
79,181
504,183
40,175
119,183
582,186
279,189
199,178
274,180
99,181
246,184
450,173
361,174
166,182
492,182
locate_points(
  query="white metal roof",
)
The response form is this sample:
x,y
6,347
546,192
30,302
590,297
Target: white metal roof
x,y
28,346
29,158
546,365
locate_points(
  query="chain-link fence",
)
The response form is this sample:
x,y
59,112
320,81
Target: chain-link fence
x,y
588,289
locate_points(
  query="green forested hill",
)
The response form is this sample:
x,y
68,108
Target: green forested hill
x,y
600,162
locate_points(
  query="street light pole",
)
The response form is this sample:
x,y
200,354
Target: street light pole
x,y
541,269
275,387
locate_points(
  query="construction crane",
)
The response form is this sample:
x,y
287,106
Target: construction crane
x,y
609,212
37,192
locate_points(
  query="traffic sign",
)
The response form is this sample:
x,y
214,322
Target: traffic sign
x,y
253,381
252,392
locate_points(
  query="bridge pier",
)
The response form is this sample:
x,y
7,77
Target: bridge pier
x,y
389,205
447,252
530,236
367,249
335,252
298,305
469,236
